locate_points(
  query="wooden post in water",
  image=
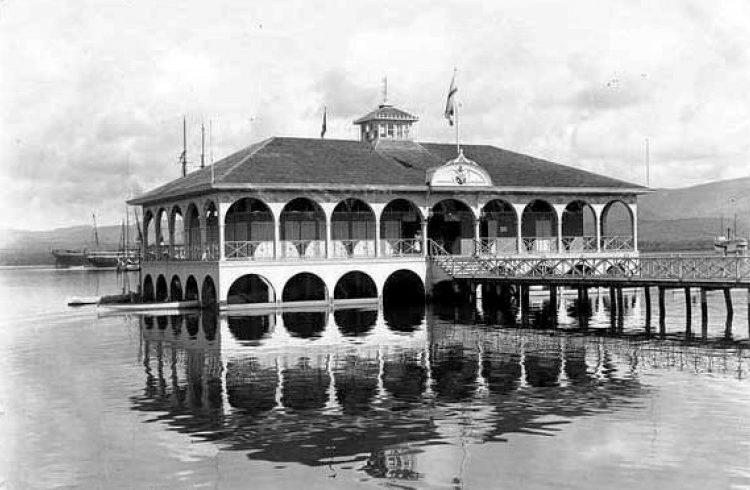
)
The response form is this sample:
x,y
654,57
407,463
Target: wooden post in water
x,y
524,304
553,305
730,313
620,310
647,299
704,314
612,308
748,311
688,314
662,313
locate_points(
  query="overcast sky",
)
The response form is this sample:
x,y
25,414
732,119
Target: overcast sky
x,y
92,93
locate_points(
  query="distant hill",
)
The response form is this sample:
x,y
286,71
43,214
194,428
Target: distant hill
x,y
668,219
690,217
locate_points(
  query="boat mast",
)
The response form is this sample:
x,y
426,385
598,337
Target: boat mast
x,y
96,232
203,145
183,155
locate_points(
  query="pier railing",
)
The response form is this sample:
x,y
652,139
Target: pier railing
x,y
669,269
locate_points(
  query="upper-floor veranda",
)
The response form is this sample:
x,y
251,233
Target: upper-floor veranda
x,y
287,225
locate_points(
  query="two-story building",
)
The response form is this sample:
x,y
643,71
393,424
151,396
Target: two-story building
x,y
314,220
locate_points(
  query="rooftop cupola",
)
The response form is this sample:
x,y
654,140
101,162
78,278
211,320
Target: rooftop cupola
x,y
386,123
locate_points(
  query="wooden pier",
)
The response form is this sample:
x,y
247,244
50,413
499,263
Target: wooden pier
x,y
686,272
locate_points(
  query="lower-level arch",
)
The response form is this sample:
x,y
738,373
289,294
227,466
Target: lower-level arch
x,y
305,324
251,288
175,289
148,288
162,293
355,285
191,289
304,286
403,287
208,293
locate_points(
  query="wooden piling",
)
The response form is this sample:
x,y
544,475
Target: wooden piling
x,y
730,313
748,311
647,299
704,314
688,315
524,291
662,313
612,308
553,305
620,310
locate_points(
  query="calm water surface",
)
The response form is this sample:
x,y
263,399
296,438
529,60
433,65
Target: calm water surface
x,y
400,398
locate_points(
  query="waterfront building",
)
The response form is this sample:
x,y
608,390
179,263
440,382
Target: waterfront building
x,y
337,221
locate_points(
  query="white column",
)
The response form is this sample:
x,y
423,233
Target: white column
x,y
598,208
425,242
202,247
328,211
559,210
222,211
634,211
377,209
519,226
276,209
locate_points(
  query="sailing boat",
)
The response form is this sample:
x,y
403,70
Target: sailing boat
x,y
128,259
730,244
100,258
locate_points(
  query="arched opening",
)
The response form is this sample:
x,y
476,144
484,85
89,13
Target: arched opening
x,y
178,235
175,289
304,287
251,288
617,227
250,330
355,322
208,293
248,230
403,301
162,235
539,227
403,287
176,322
579,227
149,234
193,233
401,229
148,288
353,229
211,248
192,324
498,225
355,285
305,324
162,293
451,227
303,229
191,289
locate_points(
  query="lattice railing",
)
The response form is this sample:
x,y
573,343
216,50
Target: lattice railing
x,y
579,243
349,248
303,249
249,250
496,246
401,246
617,243
539,245
681,268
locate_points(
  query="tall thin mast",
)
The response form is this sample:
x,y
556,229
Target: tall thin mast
x,y
96,232
183,156
455,110
648,165
203,145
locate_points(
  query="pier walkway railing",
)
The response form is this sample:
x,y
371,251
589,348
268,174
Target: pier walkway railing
x,y
700,270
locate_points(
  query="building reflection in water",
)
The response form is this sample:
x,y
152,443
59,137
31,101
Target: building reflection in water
x,y
374,387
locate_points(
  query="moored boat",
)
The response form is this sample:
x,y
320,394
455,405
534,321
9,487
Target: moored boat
x,y
69,258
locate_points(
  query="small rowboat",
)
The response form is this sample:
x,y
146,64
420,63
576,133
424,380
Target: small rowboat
x,y
172,305
83,300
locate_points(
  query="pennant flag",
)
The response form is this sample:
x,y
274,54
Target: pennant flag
x,y
450,104
323,127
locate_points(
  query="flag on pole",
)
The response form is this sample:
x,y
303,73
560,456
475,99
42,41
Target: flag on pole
x,y
323,128
450,103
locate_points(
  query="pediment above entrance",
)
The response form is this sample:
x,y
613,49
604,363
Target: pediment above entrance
x,y
461,172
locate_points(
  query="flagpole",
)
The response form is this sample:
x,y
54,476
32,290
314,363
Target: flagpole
x,y
455,109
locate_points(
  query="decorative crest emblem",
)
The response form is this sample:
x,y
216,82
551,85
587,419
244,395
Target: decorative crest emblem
x,y
461,176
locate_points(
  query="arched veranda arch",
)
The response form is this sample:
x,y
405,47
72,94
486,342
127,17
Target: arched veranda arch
x,y
193,233
303,229
249,230
211,249
579,227
353,229
451,227
498,226
539,227
401,229
251,288
618,227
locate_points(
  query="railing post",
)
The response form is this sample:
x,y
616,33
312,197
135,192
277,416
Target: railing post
x,y
425,241
377,234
